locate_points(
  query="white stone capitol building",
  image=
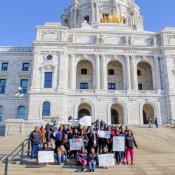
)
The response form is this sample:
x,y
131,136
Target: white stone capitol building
x,y
98,61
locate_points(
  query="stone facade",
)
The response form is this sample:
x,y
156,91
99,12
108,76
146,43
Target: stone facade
x,y
103,63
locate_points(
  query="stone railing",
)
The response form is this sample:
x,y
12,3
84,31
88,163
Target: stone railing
x,y
98,91
15,49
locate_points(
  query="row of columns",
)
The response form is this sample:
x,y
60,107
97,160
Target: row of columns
x,y
100,73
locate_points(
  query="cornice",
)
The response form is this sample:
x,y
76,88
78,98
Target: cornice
x,y
14,49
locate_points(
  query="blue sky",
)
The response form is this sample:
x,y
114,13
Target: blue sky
x,y
18,18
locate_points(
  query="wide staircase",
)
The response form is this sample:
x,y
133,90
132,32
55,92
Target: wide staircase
x,y
155,156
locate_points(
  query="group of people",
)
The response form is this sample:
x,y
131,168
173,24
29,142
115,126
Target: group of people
x,y
51,138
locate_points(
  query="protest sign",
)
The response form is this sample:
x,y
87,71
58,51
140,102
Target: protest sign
x,y
45,156
106,160
76,144
74,123
86,121
119,143
104,134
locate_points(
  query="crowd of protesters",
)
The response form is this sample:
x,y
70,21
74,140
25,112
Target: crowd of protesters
x,y
51,138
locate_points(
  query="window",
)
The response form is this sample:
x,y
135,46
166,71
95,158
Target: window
x,y
111,71
138,72
48,80
111,86
86,18
1,113
22,112
24,85
140,87
46,109
105,15
124,21
49,57
25,67
4,67
83,85
83,71
2,86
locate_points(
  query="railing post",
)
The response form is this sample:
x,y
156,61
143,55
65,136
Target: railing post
x,y
22,153
28,149
6,166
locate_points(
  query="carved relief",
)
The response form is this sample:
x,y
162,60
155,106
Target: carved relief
x,y
171,40
85,39
113,40
51,35
173,70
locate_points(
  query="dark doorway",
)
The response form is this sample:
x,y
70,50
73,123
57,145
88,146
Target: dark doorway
x,y
145,121
114,117
83,112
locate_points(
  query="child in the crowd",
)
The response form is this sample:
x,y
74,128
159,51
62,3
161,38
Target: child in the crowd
x,y
66,144
45,146
59,137
92,160
85,138
130,143
61,155
93,139
122,154
52,144
109,141
102,141
74,136
82,159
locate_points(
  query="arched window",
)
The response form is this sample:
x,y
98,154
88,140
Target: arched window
x,y
46,109
1,113
22,112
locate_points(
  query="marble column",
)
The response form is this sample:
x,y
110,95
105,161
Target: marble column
x,y
93,12
128,73
74,17
157,73
97,58
134,80
104,73
72,72
63,66
97,13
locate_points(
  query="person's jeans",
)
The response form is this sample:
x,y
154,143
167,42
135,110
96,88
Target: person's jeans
x,y
92,165
61,158
131,152
34,151
119,156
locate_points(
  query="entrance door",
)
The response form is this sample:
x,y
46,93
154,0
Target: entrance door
x,y
145,120
83,112
114,117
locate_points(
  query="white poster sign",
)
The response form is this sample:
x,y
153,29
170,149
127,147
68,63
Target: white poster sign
x,y
45,156
74,123
86,121
104,134
119,143
76,144
106,160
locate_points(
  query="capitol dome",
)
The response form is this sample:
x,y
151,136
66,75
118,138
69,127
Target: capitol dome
x,y
106,12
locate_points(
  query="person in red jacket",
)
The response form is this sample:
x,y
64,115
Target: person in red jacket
x,y
130,143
